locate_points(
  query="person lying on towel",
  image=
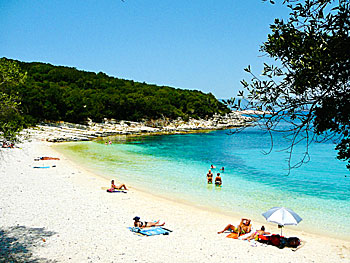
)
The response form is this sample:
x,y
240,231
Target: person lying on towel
x,y
138,223
243,228
256,234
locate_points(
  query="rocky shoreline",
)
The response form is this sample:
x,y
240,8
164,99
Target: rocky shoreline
x,y
63,131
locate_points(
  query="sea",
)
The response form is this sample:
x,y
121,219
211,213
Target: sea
x,y
175,167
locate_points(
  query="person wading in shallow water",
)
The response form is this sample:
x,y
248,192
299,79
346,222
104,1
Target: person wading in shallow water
x,y
210,177
218,180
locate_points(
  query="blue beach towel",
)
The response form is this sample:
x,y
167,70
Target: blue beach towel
x,y
44,166
116,191
150,231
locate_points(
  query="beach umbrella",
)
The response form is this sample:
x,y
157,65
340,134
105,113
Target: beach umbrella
x,y
282,216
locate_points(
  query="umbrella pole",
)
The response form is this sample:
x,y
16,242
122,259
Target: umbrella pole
x,y
280,226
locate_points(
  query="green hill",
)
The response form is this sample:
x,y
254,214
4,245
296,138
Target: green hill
x,y
58,93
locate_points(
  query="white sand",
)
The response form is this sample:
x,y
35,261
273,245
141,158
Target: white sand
x,y
61,214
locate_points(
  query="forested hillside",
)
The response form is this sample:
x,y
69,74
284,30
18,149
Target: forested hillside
x,y
63,93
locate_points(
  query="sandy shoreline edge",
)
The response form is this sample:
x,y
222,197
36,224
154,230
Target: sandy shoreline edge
x,y
90,225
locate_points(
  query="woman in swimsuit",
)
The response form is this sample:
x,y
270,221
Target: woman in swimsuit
x,y
138,223
120,187
210,177
256,234
244,227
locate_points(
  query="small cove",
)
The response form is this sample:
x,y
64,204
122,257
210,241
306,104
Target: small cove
x,y
175,166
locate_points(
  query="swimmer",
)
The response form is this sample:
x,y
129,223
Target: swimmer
x,y
212,166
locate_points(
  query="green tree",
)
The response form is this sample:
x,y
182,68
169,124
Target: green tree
x,y
308,85
57,93
10,72
11,119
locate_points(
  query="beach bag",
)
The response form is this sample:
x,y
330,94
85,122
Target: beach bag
x,y
293,242
278,241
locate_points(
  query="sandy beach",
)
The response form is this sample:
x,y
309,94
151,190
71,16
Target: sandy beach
x,y
61,214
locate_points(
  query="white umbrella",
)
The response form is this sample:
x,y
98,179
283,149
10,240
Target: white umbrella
x,y
282,216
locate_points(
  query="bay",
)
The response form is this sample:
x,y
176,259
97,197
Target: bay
x,y
175,166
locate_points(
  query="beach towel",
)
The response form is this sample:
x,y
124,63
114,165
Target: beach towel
x,y
246,235
264,238
153,231
110,190
115,191
235,235
44,166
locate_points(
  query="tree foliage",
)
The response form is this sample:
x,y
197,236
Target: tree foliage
x,y
58,93
11,119
308,85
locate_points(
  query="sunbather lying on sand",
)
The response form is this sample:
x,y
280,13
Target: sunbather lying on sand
x,y
138,223
243,228
48,158
7,145
256,234
120,187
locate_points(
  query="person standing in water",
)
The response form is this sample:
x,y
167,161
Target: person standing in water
x,y
210,177
218,180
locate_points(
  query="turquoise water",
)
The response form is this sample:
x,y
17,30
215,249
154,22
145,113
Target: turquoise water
x,y
175,166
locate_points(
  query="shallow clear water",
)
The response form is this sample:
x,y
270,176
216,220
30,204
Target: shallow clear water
x,y
175,166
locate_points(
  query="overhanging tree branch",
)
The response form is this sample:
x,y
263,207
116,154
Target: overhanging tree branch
x,y
310,88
